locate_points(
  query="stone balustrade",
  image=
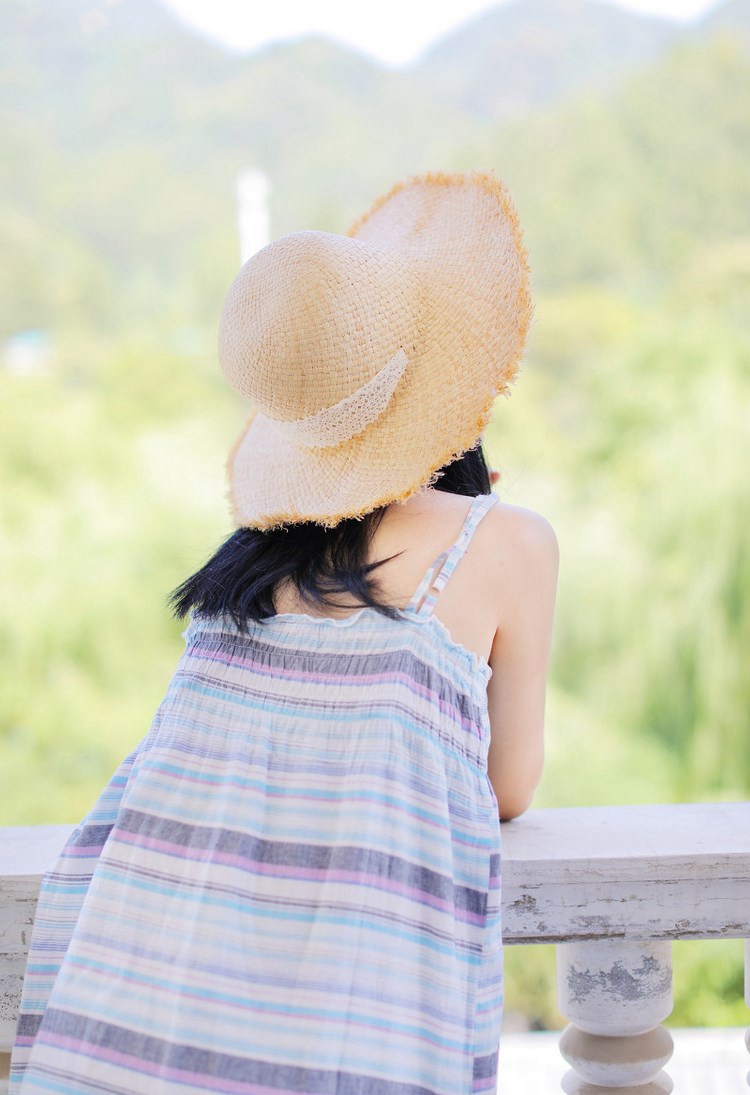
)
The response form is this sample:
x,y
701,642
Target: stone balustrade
x,y
611,886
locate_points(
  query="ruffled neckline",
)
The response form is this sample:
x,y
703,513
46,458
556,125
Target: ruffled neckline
x,y
473,660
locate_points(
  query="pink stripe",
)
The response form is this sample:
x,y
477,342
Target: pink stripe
x,y
137,1064
182,851
277,673
186,777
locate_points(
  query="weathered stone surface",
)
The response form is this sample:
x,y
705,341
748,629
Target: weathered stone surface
x,y
622,875
616,993
609,1061
615,987
627,872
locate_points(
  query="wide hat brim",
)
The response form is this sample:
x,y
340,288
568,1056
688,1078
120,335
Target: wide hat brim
x,y
460,234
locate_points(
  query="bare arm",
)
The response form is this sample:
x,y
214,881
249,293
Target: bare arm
x,y
527,577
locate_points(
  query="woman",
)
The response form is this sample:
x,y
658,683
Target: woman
x,y
293,882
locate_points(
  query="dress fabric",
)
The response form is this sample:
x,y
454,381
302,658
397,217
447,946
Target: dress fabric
x,y
292,884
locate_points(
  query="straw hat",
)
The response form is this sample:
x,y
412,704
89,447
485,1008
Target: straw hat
x,y
372,360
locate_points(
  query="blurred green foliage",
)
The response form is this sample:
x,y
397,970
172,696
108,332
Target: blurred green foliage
x,y
627,428
636,448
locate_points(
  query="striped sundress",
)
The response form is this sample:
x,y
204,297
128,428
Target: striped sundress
x,y
292,884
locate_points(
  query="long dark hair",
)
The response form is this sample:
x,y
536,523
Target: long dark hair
x,y
238,581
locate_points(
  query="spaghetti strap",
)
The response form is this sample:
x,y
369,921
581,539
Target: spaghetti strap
x,y
434,580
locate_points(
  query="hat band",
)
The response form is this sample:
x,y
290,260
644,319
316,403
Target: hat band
x,y
350,416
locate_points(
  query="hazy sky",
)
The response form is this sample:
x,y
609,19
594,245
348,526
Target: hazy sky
x,y
395,31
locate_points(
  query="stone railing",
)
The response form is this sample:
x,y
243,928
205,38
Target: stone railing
x,y
611,886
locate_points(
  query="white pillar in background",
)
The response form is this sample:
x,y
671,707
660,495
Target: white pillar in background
x,y
253,189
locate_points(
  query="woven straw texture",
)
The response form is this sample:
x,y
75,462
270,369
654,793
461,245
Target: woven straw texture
x,y
372,360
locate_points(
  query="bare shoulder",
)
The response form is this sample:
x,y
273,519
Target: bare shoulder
x,y
509,537
518,528
519,549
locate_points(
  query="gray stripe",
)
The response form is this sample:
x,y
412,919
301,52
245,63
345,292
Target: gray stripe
x,y
356,663
262,690
341,663
92,836
317,856
28,1025
486,1067
220,1066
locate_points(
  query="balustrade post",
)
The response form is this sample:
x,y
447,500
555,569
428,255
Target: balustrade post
x,y
11,977
616,994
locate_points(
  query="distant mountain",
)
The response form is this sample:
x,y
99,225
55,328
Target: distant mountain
x,y
532,53
314,110
123,134
627,186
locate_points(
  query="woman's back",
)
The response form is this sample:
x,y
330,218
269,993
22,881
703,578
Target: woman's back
x,y
416,532
498,605
294,881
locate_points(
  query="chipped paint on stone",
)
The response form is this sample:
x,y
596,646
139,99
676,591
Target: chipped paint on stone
x,y
649,979
615,987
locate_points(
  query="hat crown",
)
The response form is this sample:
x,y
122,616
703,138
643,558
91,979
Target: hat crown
x,y
311,318
374,359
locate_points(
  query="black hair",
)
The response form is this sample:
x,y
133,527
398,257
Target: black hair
x,y
240,577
